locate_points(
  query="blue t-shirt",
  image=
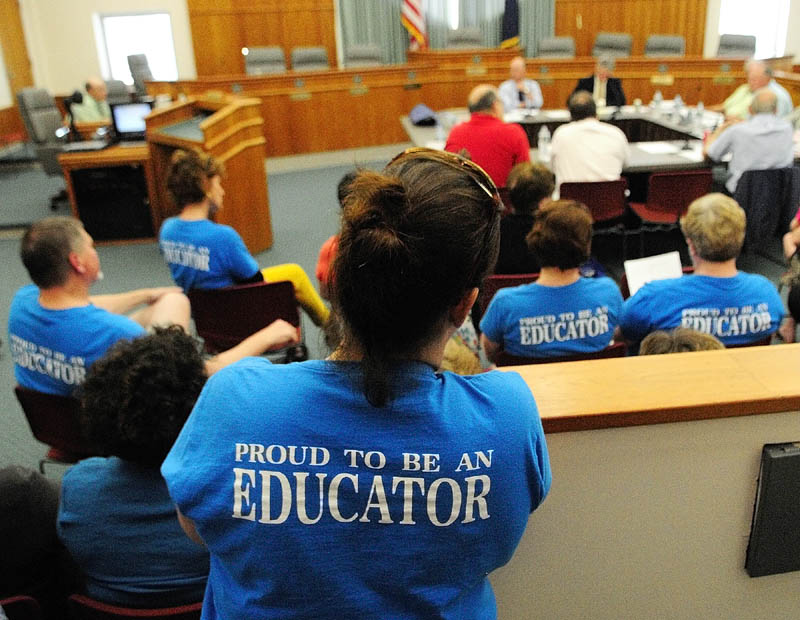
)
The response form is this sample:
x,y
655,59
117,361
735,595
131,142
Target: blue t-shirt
x,y
544,321
315,504
737,310
53,349
120,526
204,254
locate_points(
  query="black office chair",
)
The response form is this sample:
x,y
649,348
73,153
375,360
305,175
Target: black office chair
x,y
45,128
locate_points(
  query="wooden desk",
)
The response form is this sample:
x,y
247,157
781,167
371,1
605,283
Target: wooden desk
x,y
135,157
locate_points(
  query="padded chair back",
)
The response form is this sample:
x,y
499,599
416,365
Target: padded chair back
x,y
21,608
673,192
605,199
40,114
556,47
465,38
84,608
615,349
226,316
363,56
117,92
665,45
739,45
261,60
494,283
140,72
770,199
616,44
310,59
54,420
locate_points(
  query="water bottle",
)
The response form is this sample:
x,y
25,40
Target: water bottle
x,y
657,99
543,143
678,101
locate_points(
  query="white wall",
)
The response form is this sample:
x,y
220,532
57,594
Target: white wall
x,y
649,522
61,41
712,26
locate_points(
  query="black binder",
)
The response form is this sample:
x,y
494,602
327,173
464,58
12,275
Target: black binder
x,y
774,545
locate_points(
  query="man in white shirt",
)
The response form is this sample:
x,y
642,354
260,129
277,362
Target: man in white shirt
x,y
519,91
586,149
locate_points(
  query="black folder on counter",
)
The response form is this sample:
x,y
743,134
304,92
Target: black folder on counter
x,y
774,545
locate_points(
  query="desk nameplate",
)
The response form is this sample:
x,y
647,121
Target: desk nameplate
x,y
300,96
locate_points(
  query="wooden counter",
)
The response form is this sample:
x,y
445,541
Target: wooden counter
x,y
630,391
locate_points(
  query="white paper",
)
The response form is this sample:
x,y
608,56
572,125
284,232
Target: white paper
x,y
657,148
435,144
640,271
557,115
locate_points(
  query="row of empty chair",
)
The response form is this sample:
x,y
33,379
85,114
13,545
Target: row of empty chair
x,y
271,59
619,45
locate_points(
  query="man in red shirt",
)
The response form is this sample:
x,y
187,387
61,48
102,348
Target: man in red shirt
x,y
492,144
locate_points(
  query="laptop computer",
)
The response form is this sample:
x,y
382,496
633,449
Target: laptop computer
x,y
128,122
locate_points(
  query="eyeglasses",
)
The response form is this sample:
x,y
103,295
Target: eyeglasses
x,y
475,172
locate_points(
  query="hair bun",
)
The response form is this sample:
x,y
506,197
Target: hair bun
x,y
375,201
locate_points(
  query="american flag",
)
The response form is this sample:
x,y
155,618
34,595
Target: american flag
x,y
413,19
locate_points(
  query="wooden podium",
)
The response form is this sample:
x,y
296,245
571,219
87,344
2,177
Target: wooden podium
x,y
230,129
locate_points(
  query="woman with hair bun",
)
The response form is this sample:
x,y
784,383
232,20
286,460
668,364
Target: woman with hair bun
x,y
561,313
369,484
203,254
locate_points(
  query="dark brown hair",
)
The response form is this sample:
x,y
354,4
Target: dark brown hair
x,y
46,246
414,241
189,174
528,183
561,235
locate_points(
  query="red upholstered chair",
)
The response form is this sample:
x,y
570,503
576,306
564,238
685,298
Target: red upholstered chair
x,y
615,349
224,317
606,201
54,421
494,283
84,608
669,195
21,608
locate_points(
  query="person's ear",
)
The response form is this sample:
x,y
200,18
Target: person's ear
x,y
76,263
459,312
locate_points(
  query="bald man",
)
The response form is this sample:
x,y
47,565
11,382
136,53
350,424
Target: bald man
x,y
94,107
519,91
759,76
488,141
762,142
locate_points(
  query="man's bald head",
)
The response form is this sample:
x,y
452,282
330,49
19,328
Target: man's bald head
x,y
517,68
758,74
764,102
484,98
96,87
581,105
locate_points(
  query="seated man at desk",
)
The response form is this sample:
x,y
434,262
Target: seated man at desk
x,y
736,307
763,142
492,144
605,90
519,91
759,75
586,149
94,107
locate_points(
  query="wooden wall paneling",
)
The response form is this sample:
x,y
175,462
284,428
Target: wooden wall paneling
x,y
218,43
11,127
15,51
343,109
583,19
235,24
